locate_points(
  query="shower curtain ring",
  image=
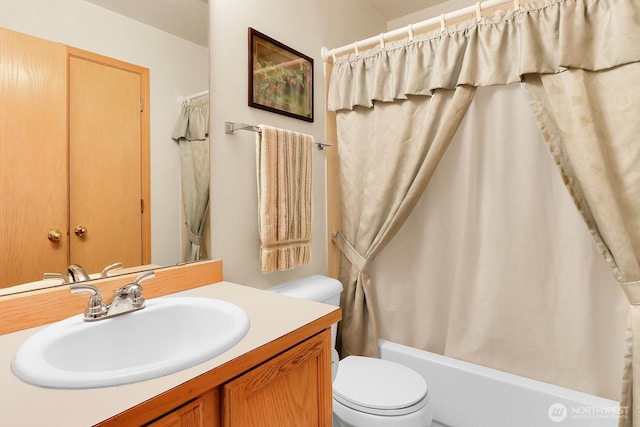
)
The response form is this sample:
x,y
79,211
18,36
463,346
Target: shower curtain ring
x,y
443,23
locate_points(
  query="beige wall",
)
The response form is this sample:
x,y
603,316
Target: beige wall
x,y
304,25
177,68
428,13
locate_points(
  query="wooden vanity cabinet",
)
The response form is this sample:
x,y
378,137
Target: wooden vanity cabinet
x,y
200,412
292,389
289,389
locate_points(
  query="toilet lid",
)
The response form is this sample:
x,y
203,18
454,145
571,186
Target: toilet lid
x,y
379,386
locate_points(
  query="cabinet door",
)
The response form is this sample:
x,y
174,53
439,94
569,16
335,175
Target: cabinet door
x,y
33,157
290,390
201,412
106,158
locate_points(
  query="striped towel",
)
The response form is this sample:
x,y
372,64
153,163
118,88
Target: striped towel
x,y
284,198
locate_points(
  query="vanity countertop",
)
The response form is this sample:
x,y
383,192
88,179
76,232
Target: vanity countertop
x,y
272,316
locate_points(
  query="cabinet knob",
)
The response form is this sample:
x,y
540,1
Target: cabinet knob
x,y
80,231
54,235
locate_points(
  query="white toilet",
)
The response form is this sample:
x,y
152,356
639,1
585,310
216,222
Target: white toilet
x,y
367,392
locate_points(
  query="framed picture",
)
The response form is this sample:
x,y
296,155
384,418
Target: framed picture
x,y
280,78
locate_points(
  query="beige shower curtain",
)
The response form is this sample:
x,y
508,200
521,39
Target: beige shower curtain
x,y
591,121
192,134
387,156
552,37
495,265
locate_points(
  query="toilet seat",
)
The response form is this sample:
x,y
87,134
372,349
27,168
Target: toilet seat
x,y
379,387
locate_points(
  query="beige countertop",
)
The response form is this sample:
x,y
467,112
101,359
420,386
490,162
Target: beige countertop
x,y
21,404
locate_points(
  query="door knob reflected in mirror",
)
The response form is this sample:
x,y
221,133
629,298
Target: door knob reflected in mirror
x,y
81,231
54,235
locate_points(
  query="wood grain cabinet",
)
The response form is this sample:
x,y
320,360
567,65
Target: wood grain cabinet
x,y
200,412
291,389
74,159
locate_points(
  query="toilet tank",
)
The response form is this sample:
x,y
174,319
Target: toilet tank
x,y
313,288
316,288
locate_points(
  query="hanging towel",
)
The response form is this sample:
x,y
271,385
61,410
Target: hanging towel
x,y
284,198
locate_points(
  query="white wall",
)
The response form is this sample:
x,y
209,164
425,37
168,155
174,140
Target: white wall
x,y
306,26
177,68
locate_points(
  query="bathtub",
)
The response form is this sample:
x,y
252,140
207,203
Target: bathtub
x,y
468,395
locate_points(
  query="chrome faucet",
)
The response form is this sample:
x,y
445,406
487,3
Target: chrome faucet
x,y
76,274
128,298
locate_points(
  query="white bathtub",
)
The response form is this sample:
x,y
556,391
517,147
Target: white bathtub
x,y
468,395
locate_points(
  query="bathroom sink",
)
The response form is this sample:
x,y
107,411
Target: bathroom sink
x,y
168,335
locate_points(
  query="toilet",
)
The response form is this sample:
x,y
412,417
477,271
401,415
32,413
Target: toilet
x,y
367,392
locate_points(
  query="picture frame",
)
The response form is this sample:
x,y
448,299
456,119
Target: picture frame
x,y
280,78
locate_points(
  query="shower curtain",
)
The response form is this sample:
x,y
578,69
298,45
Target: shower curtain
x,y
552,45
192,134
495,266
595,143
393,177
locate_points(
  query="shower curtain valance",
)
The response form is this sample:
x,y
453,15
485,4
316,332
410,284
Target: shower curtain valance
x,y
193,121
542,37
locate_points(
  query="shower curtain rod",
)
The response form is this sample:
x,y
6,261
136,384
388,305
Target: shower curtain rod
x,y
409,29
231,128
182,99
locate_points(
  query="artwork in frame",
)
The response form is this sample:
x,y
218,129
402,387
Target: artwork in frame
x,y
280,78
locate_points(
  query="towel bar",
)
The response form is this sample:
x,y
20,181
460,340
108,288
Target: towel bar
x,y
231,128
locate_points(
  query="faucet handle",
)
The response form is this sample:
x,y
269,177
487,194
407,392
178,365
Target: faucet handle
x,y
109,268
63,277
96,307
144,276
133,291
136,288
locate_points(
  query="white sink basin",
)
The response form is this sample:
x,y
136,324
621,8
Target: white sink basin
x,y
169,335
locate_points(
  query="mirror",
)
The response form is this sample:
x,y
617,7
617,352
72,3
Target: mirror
x,y
178,68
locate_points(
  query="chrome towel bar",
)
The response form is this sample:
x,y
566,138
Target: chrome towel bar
x,y
231,128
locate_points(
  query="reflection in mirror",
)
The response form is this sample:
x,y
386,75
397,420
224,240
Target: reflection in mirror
x,y
177,68
192,134
55,282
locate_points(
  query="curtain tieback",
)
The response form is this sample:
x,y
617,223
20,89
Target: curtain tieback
x,y
632,291
354,257
194,238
